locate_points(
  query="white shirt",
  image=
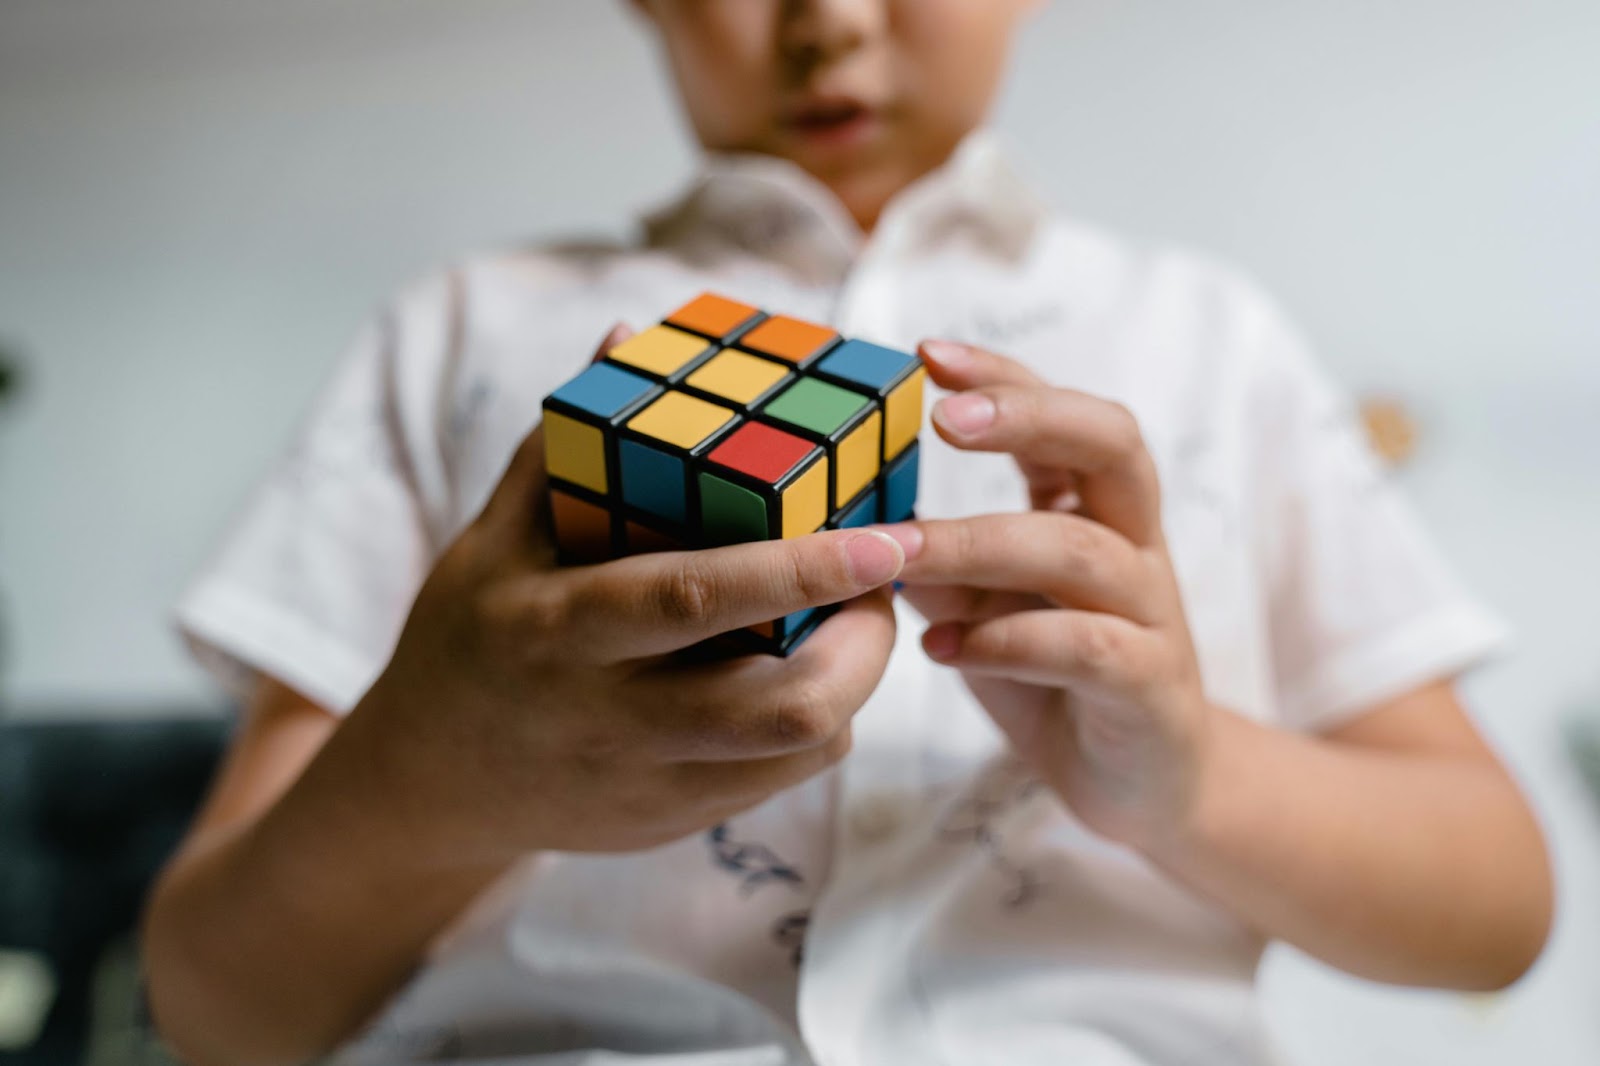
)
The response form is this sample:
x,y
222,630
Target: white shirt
x,y
950,909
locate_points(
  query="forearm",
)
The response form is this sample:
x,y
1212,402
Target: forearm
x,y
1403,867
274,941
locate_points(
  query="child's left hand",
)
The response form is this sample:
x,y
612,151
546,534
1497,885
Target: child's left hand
x,y
1065,621
1394,846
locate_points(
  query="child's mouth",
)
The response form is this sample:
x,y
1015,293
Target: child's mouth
x,y
834,122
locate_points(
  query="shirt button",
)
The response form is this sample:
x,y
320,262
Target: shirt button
x,y
879,817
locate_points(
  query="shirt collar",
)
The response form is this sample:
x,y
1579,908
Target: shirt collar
x,y
772,208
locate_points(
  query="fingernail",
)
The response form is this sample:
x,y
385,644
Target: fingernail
x,y
947,353
874,558
966,414
908,536
942,641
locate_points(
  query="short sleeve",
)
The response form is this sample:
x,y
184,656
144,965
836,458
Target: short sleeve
x,y
1361,604
317,573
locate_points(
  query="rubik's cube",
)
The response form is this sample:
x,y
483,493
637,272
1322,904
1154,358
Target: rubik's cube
x,y
724,424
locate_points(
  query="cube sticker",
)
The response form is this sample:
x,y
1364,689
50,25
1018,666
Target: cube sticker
x,y
789,340
662,352
737,378
713,316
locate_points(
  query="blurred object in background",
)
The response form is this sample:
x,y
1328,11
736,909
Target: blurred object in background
x,y
10,386
27,988
91,809
10,372
1583,742
1390,427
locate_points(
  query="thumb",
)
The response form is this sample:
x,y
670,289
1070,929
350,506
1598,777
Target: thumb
x,y
519,500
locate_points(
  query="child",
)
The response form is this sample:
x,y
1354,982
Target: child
x,y
1183,684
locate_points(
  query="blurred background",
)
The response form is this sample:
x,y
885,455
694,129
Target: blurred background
x,y
200,199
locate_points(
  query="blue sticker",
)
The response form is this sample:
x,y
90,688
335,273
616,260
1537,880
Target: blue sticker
x,y
870,365
900,485
863,512
603,390
653,481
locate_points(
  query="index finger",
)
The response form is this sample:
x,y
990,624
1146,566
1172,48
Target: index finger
x,y
1002,406
653,604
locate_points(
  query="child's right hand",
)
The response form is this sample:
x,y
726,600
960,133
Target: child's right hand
x,y
529,708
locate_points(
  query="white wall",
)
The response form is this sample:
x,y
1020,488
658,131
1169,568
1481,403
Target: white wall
x,y
200,198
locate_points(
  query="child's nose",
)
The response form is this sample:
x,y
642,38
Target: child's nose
x,y
828,29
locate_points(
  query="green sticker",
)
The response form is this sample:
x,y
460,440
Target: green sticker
x,y
816,405
732,513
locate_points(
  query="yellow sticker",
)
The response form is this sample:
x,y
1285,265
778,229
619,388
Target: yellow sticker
x,y
737,376
574,451
660,350
680,419
805,502
903,414
857,459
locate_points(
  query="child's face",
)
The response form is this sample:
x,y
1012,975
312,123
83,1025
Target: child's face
x,y
867,95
